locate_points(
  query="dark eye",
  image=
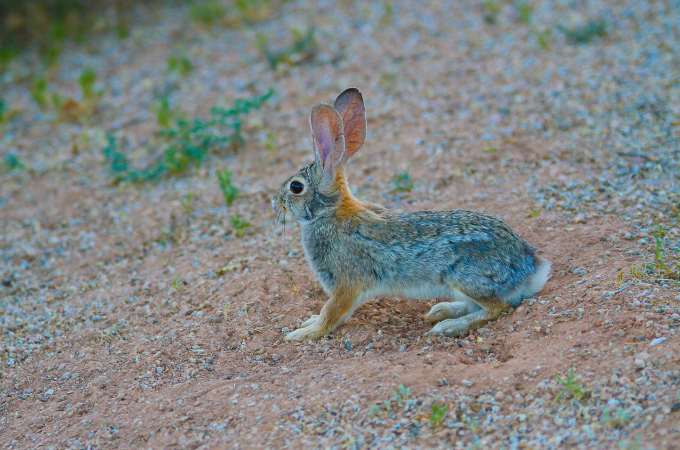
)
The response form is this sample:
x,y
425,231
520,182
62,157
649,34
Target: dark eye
x,y
296,187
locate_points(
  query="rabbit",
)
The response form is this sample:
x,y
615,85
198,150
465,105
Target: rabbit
x,y
360,250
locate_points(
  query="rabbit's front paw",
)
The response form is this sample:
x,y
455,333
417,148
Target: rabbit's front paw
x,y
310,329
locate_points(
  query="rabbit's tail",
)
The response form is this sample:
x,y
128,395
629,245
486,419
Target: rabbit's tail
x,y
532,285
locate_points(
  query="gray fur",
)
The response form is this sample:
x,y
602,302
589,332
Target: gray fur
x,y
359,250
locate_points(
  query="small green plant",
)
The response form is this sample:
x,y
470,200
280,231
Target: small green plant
x,y
388,13
270,141
571,387
187,203
239,225
208,12
13,162
39,92
490,11
542,37
661,267
253,11
3,111
180,64
164,112
585,33
402,182
524,11
438,414
187,143
229,191
86,80
302,49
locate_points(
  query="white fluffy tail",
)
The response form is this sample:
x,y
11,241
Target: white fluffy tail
x,y
535,282
532,285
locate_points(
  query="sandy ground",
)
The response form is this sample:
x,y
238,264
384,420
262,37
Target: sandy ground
x,y
134,317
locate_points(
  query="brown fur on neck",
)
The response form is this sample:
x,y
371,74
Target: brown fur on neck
x,y
348,205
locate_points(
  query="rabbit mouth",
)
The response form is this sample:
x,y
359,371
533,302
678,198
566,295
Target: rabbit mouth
x,y
280,211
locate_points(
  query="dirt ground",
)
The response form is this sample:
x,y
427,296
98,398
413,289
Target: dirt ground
x,y
133,315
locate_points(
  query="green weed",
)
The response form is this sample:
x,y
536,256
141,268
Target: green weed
x,y
661,267
3,111
402,182
39,92
252,11
388,13
585,33
239,225
490,11
164,113
187,143
13,162
187,203
87,80
524,11
571,387
542,37
180,64
208,12
438,414
229,191
302,49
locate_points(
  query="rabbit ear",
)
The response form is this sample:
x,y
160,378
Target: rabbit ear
x,y
329,142
350,105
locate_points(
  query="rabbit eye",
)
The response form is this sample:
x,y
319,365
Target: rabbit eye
x,y
296,187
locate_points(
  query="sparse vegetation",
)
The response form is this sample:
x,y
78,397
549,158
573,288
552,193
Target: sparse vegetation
x,y
164,113
239,225
585,33
524,11
490,11
86,80
229,191
180,64
571,387
438,414
402,182
208,12
664,268
39,92
13,162
302,49
187,143
542,37
4,113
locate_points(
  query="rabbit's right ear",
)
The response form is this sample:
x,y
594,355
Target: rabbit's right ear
x,y
329,141
350,105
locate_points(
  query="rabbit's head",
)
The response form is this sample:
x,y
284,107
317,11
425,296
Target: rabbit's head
x,y
319,189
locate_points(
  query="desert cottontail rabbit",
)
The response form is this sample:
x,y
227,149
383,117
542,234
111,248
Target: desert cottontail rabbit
x,y
359,250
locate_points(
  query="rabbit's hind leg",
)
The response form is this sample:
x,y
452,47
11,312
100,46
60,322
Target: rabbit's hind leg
x,y
491,309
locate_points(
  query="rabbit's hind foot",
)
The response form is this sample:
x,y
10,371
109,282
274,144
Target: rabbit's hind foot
x,y
491,310
450,310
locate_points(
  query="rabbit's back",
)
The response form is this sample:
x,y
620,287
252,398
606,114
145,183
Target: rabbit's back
x,y
402,252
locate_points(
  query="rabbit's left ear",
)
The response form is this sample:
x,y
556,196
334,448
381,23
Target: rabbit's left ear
x,y
329,142
350,105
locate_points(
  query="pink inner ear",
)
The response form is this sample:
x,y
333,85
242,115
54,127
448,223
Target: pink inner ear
x,y
325,125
